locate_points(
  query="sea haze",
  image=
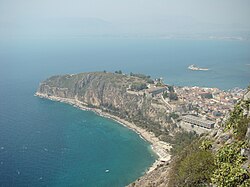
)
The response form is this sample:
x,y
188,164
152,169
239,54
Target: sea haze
x,y
229,61
46,143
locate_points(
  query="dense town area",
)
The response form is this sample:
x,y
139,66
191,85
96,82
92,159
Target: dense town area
x,y
210,103
197,106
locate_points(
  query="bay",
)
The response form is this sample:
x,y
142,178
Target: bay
x,y
45,143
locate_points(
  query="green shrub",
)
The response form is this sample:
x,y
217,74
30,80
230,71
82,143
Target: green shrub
x,y
237,121
228,175
196,169
228,161
206,145
138,86
193,167
181,140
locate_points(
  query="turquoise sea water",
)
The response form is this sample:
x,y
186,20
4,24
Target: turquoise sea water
x,y
45,143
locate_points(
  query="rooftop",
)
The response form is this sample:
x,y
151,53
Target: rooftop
x,y
198,121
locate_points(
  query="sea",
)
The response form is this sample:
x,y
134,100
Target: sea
x,y
47,143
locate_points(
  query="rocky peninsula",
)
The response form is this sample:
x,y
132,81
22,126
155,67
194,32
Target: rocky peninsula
x,y
219,157
110,95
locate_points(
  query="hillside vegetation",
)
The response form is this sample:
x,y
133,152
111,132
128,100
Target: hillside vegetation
x,y
220,158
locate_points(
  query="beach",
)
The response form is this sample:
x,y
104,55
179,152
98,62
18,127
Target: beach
x,y
160,148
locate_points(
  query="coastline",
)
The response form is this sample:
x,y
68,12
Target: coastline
x,y
160,148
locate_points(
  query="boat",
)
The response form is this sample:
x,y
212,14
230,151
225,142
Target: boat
x,y
196,68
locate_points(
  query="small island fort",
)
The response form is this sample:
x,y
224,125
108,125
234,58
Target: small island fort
x,y
196,68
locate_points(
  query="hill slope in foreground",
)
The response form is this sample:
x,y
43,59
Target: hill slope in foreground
x,y
219,158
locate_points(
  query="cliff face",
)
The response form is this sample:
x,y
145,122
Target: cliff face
x,y
108,91
97,89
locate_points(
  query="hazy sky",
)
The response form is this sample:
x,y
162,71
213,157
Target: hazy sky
x,y
152,16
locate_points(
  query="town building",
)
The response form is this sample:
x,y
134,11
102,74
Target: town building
x,y
198,121
156,90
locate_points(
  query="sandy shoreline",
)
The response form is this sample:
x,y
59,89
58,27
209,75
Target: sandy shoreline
x,y
159,147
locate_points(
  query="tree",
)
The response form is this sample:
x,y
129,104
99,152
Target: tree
x,y
165,95
118,72
170,88
138,86
173,96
